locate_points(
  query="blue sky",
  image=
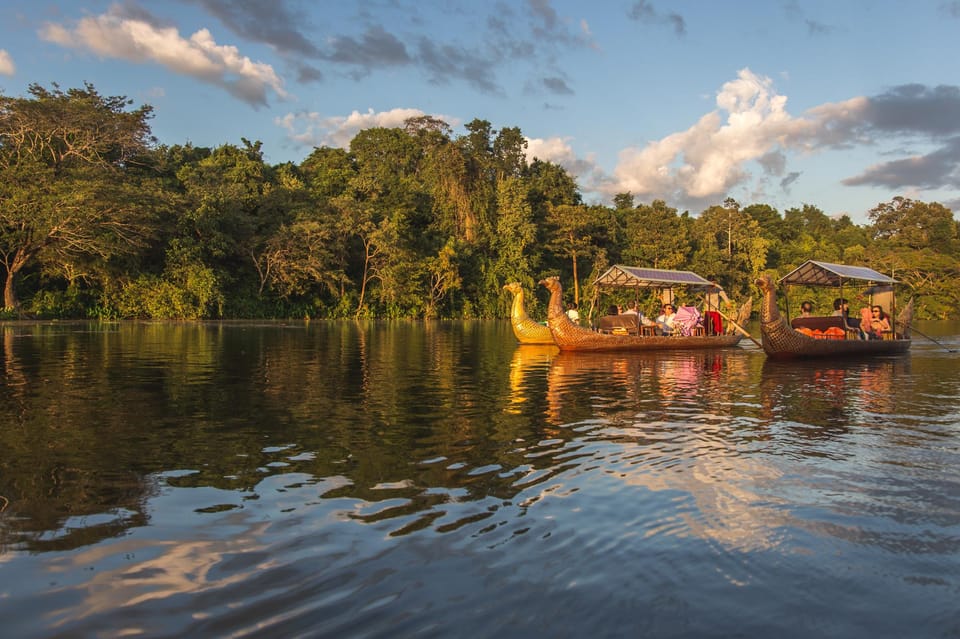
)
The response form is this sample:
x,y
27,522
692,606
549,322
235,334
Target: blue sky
x,y
842,104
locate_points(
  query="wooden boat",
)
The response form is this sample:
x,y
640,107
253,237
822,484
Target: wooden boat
x,y
570,337
526,330
780,340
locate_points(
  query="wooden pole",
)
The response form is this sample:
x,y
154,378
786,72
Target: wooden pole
x,y
741,329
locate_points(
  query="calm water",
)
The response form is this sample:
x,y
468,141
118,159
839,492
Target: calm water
x,y
437,480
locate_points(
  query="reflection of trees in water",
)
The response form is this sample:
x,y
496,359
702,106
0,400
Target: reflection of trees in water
x,y
425,425
656,382
402,411
829,397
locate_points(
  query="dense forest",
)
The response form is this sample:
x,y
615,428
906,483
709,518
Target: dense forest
x,y
100,220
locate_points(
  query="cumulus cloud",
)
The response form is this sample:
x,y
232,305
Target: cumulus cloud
x,y
138,38
268,21
559,151
751,128
6,63
276,24
708,158
313,129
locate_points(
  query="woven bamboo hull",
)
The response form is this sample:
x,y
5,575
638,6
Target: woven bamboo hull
x,y
575,338
782,342
530,332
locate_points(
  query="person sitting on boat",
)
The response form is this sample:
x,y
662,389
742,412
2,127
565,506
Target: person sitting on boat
x,y
806,309
573,313
633,309
666,319
879,323
841,308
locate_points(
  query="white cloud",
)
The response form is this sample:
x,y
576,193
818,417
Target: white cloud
x,y
559,151
7,67
114,36
314,129
709,158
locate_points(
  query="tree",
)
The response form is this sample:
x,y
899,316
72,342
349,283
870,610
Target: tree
x,y
656,237
570,237
729,247
516,233
917,225
623,201
67,186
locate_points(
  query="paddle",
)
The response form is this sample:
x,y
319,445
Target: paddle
x,y
741,329
949,350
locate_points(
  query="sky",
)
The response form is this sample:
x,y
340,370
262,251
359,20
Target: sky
x,y
839,104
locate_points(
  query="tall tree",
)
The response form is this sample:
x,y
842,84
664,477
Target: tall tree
x,y
729,247
67,188
570,237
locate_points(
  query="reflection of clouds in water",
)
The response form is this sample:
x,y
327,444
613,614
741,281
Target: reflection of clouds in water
x,y
729,492
683,443
177,567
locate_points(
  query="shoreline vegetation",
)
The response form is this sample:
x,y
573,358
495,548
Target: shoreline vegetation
x,y
100,220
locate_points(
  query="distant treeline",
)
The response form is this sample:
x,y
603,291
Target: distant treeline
x,y
99,220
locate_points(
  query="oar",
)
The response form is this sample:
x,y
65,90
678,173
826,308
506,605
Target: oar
x,y
949,350
741,329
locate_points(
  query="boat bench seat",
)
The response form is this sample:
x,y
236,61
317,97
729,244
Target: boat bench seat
x,y
823,323
627,323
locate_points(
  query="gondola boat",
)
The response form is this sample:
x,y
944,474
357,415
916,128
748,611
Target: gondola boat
x,y
783,340
571,337
526,330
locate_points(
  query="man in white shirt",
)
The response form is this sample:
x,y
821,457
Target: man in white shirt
x,y
665,320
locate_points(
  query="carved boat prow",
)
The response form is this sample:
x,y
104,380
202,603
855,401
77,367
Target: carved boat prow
x,y
525,329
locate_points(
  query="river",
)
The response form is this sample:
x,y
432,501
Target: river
x,y
410,479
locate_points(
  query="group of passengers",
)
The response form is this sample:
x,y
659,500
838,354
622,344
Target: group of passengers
x,y
664,324
872,324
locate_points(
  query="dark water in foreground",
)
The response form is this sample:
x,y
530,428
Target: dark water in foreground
x,y
436,480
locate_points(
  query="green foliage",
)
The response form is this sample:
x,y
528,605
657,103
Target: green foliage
x,y
71,303
415,221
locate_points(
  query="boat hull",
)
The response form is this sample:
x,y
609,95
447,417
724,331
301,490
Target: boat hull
x,y
588,341
531,332
780,341
570,337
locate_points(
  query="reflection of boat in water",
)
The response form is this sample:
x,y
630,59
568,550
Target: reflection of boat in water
x,y
528,359
806,392
826,336
649,377
526,330
570,337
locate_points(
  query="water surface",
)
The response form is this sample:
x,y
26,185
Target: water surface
x,y
435,480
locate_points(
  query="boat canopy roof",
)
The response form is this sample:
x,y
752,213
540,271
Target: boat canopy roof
x,y
637,277
813,273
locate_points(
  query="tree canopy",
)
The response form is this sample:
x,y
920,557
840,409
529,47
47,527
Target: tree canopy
x,y
98,219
